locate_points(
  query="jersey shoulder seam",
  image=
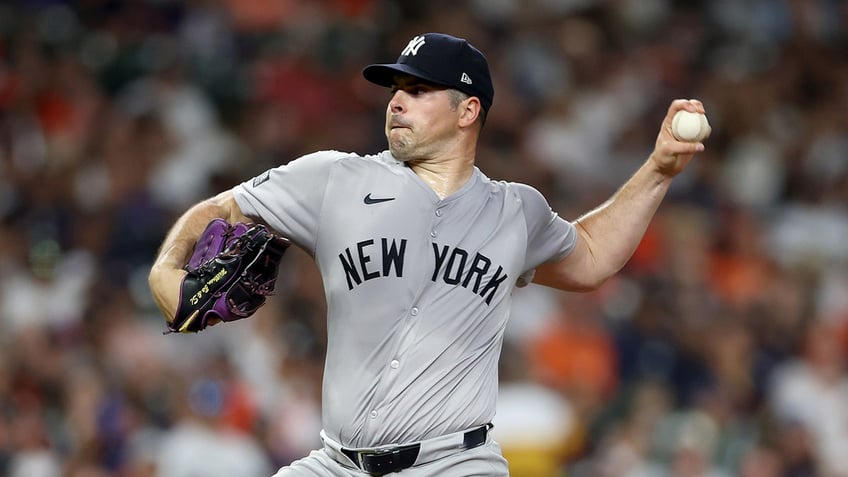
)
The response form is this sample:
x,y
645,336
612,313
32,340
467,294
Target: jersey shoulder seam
x,y
336,161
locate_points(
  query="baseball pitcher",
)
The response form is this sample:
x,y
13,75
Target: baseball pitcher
x,y
419,252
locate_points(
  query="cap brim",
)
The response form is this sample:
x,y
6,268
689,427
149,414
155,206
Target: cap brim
x,y
384,74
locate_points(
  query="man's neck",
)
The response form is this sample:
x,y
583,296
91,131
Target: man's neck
x,y
444,177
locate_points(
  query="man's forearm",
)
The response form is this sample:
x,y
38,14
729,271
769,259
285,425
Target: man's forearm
x,y
180,240
614,229
167,272
609,234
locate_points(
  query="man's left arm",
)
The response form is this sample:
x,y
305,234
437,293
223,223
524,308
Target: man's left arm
x,y
609,234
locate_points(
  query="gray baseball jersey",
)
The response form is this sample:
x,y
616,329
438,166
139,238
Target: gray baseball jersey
x,y
417,287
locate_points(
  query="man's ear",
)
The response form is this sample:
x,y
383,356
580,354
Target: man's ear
x,y
470,110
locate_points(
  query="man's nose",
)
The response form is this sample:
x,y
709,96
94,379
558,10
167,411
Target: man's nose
x,y
397,104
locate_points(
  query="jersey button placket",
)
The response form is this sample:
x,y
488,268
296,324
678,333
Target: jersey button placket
x,y
438,212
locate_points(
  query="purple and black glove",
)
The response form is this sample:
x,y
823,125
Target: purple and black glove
x,y
232,269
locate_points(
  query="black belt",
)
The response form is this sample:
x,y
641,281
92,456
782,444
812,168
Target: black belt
x,y
385,460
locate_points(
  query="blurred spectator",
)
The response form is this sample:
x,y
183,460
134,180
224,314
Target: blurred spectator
x,y
817,376
575,356
204,442
535,425
761,462
33,456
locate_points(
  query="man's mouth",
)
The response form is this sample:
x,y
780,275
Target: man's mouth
x,y
398,124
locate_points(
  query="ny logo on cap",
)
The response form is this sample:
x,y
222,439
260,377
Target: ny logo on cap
x,y
413,46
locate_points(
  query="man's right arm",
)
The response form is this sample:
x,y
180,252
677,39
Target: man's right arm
x,y
166,274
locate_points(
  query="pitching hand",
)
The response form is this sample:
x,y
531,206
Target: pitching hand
x,y
670,156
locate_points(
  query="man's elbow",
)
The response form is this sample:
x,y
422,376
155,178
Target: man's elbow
x,y
566,281
590,284
602,273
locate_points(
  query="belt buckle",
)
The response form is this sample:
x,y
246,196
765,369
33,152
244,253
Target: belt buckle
x,y
371,466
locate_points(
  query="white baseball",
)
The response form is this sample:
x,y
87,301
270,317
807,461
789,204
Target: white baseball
x,y
690,127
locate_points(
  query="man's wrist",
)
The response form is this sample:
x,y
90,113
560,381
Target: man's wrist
x,y
658,172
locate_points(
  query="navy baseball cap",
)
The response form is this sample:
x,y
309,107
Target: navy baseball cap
x,y
440,59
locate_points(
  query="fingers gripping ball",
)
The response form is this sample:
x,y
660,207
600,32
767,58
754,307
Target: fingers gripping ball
x,y
690,127
232,270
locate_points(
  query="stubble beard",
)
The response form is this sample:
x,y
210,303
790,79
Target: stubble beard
x,y
402,148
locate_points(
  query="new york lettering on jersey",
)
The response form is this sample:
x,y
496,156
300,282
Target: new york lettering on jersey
x,y
384,257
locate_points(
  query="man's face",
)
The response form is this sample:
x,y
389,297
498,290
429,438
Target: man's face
x,y
421,122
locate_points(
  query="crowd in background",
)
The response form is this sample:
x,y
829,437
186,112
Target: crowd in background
x,y
720,350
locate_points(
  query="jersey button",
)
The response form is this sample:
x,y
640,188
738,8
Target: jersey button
x,y
414,311
433,234
438,212
373,414
395,364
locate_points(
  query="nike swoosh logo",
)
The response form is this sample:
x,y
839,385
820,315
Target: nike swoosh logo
x,y
370,200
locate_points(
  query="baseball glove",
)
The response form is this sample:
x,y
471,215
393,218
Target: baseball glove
x,y
232,269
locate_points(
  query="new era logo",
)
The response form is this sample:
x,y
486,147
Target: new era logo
x,y
413,46
465,79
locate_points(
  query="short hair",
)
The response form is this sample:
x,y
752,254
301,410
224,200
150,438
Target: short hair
x,y
456,96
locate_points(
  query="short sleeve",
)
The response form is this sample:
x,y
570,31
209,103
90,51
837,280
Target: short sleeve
x,y
549,236
289,198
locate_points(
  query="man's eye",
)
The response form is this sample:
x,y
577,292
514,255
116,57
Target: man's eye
x,y
412,90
